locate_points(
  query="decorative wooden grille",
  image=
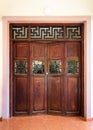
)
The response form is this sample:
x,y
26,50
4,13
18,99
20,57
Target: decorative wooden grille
x,y
46,32
73,66
41,32
20,32
20,67
73,32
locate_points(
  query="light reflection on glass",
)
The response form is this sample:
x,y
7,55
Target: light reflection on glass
x,y
38,67
73,66
55,66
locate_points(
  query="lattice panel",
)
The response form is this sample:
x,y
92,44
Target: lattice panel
x,y
20,67
19,32
55,66
73,32
46,32
73,66
49,32
38,67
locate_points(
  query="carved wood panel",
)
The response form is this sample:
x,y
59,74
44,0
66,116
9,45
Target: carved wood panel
x,y
38,93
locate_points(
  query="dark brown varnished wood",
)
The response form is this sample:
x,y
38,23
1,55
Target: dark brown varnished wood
x,y
54,95
72,80
38,94
0,118
21,81
56,51
21,50
38,99
21,95
72,96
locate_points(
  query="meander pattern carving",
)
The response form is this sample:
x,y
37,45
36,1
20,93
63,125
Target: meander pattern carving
x,y
73,32
46,32
51,32
20,32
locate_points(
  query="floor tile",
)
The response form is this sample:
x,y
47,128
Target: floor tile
x,y
46,122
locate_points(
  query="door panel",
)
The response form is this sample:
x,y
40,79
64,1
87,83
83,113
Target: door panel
x,y
55,71
21,78
72,49
38,78
21,50
56,51
38,94
54,94
38,51
21,93
72,88
72,96
46,78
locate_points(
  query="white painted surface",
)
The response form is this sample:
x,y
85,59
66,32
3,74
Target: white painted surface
x,y
91,67
1,68
37,8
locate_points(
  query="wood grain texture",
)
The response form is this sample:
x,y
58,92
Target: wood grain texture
x,y
0,118
38,93
72,95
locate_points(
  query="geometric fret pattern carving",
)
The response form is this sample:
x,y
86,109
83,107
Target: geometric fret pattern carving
x,y
20,32
20,67
46,32
73,32
49,32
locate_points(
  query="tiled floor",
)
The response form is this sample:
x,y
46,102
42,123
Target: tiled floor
x,y
46,122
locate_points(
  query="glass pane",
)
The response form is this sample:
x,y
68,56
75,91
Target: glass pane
x,y
73,66
55,66
21,67
38,67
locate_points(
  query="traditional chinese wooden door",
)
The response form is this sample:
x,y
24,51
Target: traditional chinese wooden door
x,y
47,66
46,75
21,78
64,78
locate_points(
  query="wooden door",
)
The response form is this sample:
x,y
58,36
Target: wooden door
x,y
72,78
38,86
55,77
21,78
47,67
47,78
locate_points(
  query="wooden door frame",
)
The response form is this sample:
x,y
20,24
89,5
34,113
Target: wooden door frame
x,y
7,20
64,40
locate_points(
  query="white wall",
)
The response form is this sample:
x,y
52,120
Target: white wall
x,y
38,8
92,66
1,68
44,8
